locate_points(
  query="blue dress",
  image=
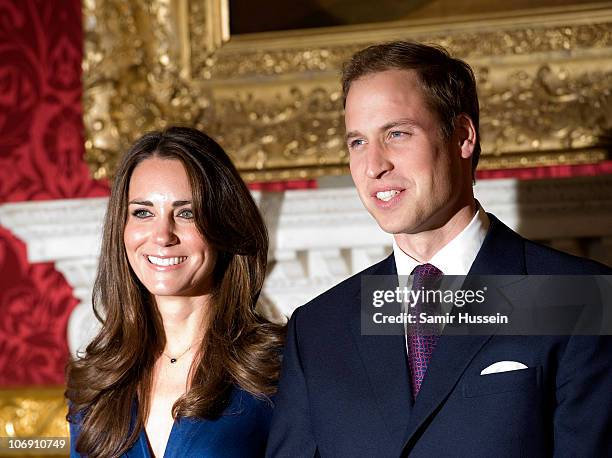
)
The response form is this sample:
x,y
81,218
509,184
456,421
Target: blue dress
x,y
241,431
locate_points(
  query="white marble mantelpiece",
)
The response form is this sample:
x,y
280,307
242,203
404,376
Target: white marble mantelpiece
x,y
318,237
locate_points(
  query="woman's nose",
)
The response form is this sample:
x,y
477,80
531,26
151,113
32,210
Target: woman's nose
x,y
164,234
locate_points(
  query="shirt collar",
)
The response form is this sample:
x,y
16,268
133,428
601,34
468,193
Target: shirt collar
x,y
457,256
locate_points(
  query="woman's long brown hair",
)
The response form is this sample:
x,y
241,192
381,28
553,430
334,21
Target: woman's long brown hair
x,y
240,347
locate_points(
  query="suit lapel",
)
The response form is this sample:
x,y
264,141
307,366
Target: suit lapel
x,y
385,361
501,253
450,359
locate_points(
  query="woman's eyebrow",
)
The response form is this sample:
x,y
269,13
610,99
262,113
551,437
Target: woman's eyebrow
x,y
180,203
148,203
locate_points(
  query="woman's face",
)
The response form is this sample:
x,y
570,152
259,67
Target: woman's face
x,y
164,247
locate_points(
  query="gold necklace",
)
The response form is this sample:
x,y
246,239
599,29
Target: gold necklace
x,y
174,359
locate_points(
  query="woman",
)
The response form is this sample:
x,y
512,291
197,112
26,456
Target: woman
x,y
183,364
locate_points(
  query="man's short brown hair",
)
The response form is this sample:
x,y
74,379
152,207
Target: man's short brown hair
x,y
448,83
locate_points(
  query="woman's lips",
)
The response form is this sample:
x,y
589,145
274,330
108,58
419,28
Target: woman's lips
x,y
164,263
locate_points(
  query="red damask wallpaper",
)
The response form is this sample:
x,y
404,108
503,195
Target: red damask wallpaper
x,y
41,157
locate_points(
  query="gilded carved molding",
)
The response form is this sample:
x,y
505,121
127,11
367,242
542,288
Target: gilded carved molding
x,y
273,100
467,44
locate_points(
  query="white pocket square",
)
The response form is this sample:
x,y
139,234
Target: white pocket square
x,y
503,366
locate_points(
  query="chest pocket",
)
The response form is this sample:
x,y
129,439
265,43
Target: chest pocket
x,y
504,382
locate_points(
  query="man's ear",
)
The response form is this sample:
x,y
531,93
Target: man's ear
x,y
465,132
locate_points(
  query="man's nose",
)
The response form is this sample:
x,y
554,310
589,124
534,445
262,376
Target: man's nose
x,y
377,162
164,233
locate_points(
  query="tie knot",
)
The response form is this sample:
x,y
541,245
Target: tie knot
x,y
427,271
427,276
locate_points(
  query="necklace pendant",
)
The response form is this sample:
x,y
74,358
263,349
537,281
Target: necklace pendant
x,y
173,360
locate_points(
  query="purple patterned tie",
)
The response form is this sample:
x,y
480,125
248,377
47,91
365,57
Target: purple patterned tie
x,y
422,338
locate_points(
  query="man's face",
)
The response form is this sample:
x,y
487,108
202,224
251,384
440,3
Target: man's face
x,y
409,177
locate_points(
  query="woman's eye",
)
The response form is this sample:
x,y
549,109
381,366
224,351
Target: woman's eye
x,y
187,214
142,213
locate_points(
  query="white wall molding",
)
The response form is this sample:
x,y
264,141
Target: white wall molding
x,y
318,237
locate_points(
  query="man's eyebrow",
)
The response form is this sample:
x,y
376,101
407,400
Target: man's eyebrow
x,y
400,122
148,203
387,126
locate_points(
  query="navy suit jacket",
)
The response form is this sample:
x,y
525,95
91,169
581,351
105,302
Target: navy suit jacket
x,y
343,394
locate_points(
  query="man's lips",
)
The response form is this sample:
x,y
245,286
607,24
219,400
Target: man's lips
x,y
387,193
387,198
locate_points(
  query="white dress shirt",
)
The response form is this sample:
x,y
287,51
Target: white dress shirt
x,y
454,258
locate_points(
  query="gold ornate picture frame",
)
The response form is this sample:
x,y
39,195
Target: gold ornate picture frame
x,y
273,100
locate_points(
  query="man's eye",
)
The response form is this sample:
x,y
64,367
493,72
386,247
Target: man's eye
x,y
397,134
187,214
142,213
356,143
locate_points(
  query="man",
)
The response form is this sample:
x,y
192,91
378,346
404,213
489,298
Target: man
x,y
413,138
